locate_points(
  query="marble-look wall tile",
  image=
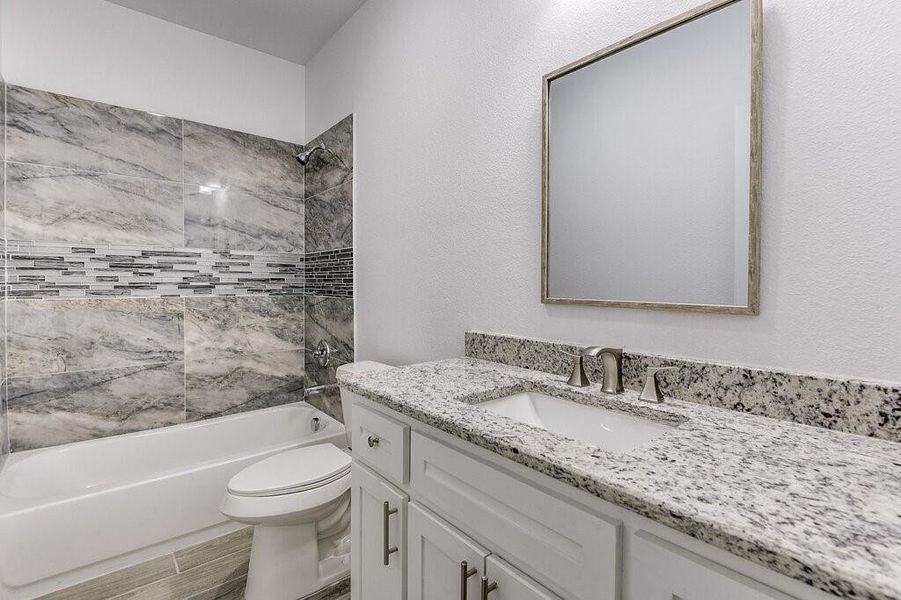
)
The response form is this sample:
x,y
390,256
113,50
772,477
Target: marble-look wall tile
x,y
241,382
55,336
65,205
330,169
222,157
62,131
242,192
843,405
221,327
234,219
329,219
243,354
56,409
332,320
328,400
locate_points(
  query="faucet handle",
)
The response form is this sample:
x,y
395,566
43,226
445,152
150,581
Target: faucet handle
x,y
651,391
578,377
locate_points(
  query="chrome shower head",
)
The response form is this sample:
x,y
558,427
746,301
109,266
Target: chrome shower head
x,y
304,157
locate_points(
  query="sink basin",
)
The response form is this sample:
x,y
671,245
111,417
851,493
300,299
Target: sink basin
x,y
607,429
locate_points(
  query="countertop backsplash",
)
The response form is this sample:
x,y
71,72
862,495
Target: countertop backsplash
x,y
847,405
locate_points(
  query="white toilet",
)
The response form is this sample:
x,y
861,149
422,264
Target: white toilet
x,y
294,499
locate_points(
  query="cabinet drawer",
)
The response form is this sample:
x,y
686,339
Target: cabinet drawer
x,y
572,552
382,443
661,570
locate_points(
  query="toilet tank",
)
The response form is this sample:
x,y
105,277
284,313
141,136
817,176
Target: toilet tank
x,y
347,396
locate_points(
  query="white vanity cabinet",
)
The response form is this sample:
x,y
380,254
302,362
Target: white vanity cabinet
x,y
521,535
511,584
378,532
679,573
442,561
444,564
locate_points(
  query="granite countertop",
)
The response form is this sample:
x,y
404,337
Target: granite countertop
x,y
820,506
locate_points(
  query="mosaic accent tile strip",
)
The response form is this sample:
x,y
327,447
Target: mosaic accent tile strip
x,y
330,273
851,406
38,270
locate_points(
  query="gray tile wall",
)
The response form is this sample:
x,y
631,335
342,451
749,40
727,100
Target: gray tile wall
x,y
154,272
328,224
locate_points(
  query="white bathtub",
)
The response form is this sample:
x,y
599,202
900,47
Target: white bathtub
x,y
71,513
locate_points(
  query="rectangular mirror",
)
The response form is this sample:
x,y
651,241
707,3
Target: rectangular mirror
x,y
651,172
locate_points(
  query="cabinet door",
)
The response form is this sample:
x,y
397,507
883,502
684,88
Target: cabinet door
x,y
374,543
510,584
661,570
437,554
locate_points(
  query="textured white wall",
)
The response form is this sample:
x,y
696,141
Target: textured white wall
x,y
100,51
447,102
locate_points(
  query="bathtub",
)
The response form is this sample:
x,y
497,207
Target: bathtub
x,y
71,513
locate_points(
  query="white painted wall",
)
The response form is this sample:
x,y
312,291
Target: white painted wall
x,y
100,51
447,103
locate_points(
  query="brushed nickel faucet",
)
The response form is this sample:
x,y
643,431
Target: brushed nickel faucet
x,y
612,361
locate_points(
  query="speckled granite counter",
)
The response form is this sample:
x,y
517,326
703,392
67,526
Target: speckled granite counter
x,y
816,505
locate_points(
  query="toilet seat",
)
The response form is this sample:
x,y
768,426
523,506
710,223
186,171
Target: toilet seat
x,y
291,472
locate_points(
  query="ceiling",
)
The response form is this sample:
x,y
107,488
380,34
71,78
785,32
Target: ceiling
x,y
290,29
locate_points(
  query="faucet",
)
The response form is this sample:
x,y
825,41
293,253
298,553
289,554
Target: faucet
x,y
611,360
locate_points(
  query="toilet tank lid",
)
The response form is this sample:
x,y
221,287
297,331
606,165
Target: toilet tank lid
x,y
362,366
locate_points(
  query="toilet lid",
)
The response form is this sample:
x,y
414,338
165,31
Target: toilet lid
x,y
292,471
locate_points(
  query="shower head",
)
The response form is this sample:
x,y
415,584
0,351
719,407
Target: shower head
x,y
304,157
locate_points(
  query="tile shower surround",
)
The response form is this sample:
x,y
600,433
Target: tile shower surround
x,y
851,406
155,267
328,269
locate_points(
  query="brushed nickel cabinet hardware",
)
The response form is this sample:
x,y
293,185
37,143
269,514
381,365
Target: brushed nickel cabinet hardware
x,y
373,441
388,549
465,573
487,588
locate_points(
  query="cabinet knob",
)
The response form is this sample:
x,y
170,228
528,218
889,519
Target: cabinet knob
x,y
487,588
465,573
373,441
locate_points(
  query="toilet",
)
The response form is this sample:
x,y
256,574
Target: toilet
x,y
293,499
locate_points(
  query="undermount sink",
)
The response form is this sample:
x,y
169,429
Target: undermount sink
x,y
608,429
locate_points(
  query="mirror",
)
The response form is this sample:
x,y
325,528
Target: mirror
x,y
651,173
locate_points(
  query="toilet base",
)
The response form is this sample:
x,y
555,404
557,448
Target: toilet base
x,y
284,562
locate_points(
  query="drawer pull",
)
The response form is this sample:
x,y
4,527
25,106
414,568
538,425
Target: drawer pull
x,y
487,588
373,441
465,573
388,550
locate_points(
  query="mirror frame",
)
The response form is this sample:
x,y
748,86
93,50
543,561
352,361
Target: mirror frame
x,y
753,304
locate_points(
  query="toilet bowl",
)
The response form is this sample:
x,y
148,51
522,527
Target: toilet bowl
x,y
293,499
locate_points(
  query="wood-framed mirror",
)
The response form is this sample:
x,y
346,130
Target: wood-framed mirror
x,y
651,168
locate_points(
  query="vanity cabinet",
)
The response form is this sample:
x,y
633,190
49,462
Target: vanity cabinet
x,y
511,584
574,552
433,503
441,559
678,573
378,530
444,564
